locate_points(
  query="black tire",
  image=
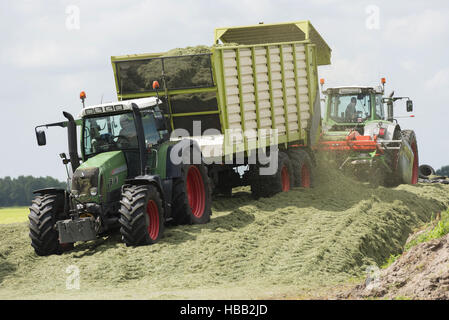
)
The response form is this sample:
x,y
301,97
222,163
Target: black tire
x,y
225,182
141,215
43,215
410,137
303,168
181,207
425,171
392,179
269,185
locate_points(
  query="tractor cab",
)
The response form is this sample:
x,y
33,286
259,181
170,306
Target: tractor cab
x,y
352,106
361,135
115,127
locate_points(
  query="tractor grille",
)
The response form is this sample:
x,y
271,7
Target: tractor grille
x,y
85,179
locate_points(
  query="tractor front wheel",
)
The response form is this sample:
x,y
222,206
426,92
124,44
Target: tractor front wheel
x,y
43,216
141,215
410,137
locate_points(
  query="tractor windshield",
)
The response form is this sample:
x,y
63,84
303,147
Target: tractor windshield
x,y
348,108
109,132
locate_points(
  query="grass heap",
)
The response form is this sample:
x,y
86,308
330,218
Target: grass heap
x,y
294,242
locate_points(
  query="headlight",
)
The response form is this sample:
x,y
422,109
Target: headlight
x,y
93,192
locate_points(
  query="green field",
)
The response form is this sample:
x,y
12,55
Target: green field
x,y
293,245
13,215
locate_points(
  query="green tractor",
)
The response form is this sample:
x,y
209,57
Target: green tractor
x,y
130,177
361,135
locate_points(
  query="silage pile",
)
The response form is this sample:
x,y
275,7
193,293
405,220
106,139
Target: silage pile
x,y
294,242
187,67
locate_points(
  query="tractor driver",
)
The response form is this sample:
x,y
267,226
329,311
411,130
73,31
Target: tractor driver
x,y
95,136
127,135
351,112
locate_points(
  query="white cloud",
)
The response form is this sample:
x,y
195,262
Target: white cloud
x,y
408,65
47,65
49,54
358,70
418,29
439,80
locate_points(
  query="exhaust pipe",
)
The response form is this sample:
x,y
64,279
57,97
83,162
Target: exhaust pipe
x,y
425,171
73,147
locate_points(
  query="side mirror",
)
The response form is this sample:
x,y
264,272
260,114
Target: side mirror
x,y
41,138
409,105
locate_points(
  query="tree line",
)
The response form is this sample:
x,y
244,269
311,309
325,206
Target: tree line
x,y
19,191
443,171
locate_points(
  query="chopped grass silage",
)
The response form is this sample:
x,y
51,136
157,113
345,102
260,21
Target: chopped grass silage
x,y
298,241
13,215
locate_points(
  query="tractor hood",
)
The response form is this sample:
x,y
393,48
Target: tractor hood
x,y
99,176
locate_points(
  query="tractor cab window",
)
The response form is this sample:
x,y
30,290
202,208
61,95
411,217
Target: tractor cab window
x,y
380,114
348,108
108,133
149,128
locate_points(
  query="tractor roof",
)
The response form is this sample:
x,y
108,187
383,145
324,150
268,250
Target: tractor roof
x,y
353,89
119,106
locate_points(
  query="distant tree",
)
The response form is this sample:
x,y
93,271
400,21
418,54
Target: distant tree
x,y
19,191
443,171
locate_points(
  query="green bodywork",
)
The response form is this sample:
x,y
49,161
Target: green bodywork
x,y
112,174
269,36
338,131
157,159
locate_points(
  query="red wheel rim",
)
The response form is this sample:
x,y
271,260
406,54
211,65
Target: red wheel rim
x,y
415,164
285,175
305,176
153,218
195,191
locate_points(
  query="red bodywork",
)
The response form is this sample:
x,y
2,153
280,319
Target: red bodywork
x,y
354,141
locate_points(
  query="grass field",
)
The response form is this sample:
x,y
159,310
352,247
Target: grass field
x,y
298,244
13,215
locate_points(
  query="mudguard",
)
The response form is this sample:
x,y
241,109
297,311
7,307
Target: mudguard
x,y
146,180
180,154
405,162
164,187
372,128
49,191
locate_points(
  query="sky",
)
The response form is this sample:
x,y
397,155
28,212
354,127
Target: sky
x,y
52,50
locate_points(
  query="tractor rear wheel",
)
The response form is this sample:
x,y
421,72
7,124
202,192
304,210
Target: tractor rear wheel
x,y
410,137
141,215
43,216
269,185
192,196
302,168
393,179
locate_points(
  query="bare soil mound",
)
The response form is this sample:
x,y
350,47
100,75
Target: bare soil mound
x,y
420,273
